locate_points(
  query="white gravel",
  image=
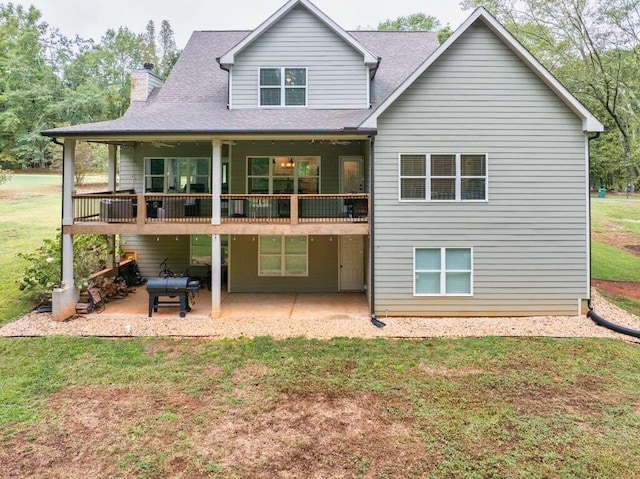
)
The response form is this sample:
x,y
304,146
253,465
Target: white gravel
x,y
105,325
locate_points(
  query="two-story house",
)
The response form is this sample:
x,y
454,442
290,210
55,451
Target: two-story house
x,y
439,180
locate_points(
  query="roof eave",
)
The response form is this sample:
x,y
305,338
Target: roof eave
x,y
208,133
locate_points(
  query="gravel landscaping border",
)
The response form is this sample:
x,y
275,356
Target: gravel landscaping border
x,y
105,325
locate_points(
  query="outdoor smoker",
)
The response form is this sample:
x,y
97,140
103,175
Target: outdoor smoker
x,y
171,287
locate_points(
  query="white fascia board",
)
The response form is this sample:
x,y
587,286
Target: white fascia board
x,y
229,57
589,122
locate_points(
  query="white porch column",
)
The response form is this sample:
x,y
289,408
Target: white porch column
x,y
68,180
216,276
216,181
112,168
67,261
66,297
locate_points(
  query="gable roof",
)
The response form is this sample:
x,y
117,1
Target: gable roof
x,y
193,100
228,58
589,122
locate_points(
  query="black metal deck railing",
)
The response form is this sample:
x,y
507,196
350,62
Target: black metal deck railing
x,y
281,209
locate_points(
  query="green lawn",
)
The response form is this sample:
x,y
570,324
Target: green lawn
x,y
30,211
615,215
441,408
611,264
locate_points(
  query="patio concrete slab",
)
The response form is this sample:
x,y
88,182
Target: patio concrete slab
x,y
296,306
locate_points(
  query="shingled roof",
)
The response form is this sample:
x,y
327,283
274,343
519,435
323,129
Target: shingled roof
x,y
194,98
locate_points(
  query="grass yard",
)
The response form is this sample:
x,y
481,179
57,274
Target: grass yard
x,y
612,264
441,408
444,408
615,250
30,211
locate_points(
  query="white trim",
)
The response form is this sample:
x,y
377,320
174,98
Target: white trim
x,y
271,176
589,122
230,99
283,87
68,180
166,171
367,79
341,160
229,57
215,180
458,179
283,257
443,272
588,213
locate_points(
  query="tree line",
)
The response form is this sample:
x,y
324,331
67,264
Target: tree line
x,y
593,48
48,80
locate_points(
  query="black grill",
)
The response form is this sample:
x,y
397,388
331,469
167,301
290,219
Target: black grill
x,y
172,288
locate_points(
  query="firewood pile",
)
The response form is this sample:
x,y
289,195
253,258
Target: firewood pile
x,y
112,288
102,291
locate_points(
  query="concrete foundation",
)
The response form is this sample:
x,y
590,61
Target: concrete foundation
x,y
64,302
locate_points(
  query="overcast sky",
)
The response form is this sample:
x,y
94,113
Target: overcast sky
x,y
91,18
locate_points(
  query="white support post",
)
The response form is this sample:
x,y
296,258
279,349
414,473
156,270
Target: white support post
x,y
66,297
216,276
68,179
67,261
216,181
113,149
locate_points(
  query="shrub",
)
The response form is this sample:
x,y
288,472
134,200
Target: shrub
x,y
43,269
5,175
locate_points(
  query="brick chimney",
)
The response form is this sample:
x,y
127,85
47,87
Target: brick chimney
x,y
143,82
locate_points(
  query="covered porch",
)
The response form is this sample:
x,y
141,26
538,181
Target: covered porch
x,y
267,306
220,187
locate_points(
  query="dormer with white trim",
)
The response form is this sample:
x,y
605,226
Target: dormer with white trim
x,y
299,58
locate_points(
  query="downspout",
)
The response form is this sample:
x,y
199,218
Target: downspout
x,y
222,67
55,140
372,260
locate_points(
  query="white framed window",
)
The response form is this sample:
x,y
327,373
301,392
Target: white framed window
x,y
282,86
443,272
442,177
283,175
177,175
283,256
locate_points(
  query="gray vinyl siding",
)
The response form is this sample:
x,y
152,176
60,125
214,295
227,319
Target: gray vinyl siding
x,y
130,171
152,250
336,73
323,268
329,162
529,240
132,160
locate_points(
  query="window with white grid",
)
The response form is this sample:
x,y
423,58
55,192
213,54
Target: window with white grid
x,y
442,272
443,177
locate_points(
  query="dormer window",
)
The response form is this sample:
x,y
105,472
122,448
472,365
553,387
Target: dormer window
x,y
283,86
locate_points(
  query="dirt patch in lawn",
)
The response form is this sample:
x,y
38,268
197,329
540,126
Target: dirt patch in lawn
x,y
634,249
315,436
618,238
618,288
130,432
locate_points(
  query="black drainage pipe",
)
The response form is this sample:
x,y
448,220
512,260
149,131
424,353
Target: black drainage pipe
x,y
600,321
